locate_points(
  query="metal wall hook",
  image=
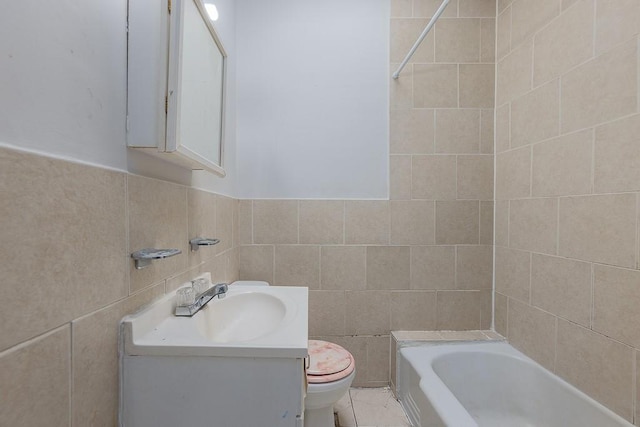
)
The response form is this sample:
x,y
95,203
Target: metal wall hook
x,y
143,257
202,241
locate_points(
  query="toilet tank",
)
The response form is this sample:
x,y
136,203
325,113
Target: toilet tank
x,y
249,283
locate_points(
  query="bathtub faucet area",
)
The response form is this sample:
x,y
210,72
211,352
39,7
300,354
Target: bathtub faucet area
x,y
187,305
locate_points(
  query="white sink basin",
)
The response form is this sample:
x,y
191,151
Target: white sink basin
x,y
251,321
241,317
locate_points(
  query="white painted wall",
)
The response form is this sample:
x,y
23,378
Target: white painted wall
x,y
312,82
63,78
63,86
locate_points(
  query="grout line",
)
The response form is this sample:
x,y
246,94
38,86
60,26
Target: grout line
x,y
593,296
71,377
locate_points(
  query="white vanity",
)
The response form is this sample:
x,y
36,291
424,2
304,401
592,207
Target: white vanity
x,y
238,362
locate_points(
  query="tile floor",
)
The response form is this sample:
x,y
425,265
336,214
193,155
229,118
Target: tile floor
x,y
370,407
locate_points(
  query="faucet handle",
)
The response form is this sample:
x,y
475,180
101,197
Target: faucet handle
x,y
200,285
185,296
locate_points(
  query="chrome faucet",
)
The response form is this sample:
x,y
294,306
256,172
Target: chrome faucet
x,y
188,310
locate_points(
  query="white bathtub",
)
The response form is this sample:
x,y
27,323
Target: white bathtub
x,y
490,384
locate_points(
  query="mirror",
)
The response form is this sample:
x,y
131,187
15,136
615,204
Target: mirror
x,y
176,96
196,89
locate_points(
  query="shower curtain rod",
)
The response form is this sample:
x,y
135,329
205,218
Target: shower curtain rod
x,y
422,36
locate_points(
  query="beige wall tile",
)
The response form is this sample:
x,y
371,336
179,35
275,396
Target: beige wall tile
x,y
502,223
256,263
95,360
401,8
477,85
433,177
488,40
458,310
514,73
411,131
542,103
413,310
567,4
562,286
343,267
503,33
501,314
63,224
34,382
503,128
157,219
457,40
533,225
528,17
245,222
321,221
474,267
597,365
458,131
426,8
404,33
368,312
617,158
600,90
475,177
412,222
401,89
562,166
433,267
477,8
327,311
533,332
201,211
435,85
513,271
564,43
378,359
487,131
486,309
513,174
275,221
400,177
367,222
616,22
457,222
616,301
225,212
388,267
297,266
502,4
486,223
599,228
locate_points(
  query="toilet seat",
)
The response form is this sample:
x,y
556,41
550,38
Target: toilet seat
x,y
328,362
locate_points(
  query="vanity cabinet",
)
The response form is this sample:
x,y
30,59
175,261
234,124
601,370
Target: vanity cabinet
x,y
221,367
175,83
162,391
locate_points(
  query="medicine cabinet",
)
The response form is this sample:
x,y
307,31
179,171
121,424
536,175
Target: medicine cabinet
x,y
176,83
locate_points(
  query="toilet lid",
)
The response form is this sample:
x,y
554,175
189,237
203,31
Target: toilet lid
x,y
326,358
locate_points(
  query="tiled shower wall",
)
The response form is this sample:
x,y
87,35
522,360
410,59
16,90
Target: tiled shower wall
x,y
422,260
67,234
567,191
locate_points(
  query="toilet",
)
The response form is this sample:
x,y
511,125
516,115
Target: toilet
x,y
329,375
330,372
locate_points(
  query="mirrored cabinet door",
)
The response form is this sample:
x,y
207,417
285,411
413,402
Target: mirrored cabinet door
x,y
176,83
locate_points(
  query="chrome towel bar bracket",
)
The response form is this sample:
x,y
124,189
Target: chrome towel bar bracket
x,y
143,257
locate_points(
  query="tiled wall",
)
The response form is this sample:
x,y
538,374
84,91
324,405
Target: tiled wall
x,y
422,260
568,190
67,233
